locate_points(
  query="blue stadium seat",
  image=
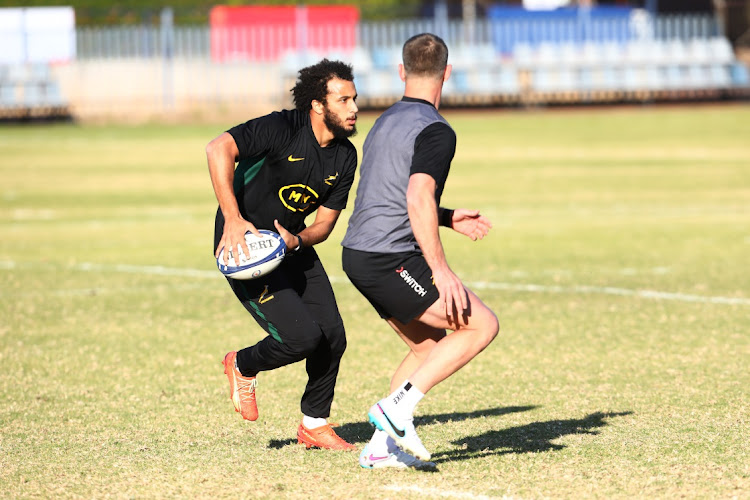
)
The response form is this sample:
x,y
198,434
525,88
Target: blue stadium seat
x,y
293,60
486,53
464,57
18,73
396,85
721,50
33,97
548,54
637,53
386,58
8,97
40,72
673,77
460,79
53,95
571,55
361,81
508,80
380,84
740,76
699,51
361,59
567,80
612,53
542,80
586,79
631,78
483,81
610,79
592,54
654,78
657,52
697,77
523,55
676,52
720,76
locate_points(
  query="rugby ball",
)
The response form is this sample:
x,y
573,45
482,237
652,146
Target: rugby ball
x,y
266,253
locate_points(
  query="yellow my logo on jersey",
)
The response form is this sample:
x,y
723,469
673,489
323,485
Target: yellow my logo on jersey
x,y
297,197
329,180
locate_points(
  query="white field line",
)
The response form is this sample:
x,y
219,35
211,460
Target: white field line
x,y
608,290
476,285
158,270
437,492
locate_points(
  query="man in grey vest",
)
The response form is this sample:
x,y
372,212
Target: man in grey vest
x,y
394,256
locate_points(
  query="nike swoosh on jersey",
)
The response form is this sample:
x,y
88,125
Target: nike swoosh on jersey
x,y
399,432
291,158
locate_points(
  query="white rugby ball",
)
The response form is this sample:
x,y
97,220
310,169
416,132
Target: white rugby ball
x,y
266,253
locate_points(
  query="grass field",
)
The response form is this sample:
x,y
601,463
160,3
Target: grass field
x,y
618,265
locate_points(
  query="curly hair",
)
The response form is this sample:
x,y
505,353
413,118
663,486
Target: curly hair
x,y
312,82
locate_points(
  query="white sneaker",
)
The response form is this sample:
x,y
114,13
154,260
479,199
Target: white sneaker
x,y
402,431
396,459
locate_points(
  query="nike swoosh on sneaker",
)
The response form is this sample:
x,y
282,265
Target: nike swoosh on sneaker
x,y
372,458
399,432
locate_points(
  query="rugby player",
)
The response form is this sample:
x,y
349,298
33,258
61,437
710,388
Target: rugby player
x,y
290,163
394,256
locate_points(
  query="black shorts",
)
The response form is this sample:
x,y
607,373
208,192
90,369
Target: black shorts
x,y
398,285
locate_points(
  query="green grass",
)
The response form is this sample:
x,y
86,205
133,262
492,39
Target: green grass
x,y
110,375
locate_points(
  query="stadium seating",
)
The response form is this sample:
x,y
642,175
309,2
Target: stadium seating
x,y
29,91
570,72
514,57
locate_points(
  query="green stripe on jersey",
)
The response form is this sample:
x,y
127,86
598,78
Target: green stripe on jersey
x,y
245,172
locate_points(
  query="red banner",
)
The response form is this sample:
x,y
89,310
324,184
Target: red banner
x,y
265,33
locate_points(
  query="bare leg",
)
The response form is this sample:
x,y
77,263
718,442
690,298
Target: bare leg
x,y
436,356
473,333
421,342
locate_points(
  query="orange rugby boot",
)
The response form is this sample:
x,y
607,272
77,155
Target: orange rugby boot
x,y
241,388
322,437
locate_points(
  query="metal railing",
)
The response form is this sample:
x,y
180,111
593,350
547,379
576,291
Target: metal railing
x,y
196,41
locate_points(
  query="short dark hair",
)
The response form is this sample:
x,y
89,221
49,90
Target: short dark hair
x,y
312,82
425,55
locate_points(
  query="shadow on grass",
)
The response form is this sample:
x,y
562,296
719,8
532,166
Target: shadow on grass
x,y
530,438
361,432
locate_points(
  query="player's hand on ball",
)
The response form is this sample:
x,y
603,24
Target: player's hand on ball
x,y
234,237
471,223
289,238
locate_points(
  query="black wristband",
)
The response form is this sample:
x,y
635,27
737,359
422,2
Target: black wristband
x,y
299,244
445,217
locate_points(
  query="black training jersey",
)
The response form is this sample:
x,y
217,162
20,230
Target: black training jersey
x,y
284,174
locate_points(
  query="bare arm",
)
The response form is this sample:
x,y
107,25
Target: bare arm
x,y
222,153
317,232
422,208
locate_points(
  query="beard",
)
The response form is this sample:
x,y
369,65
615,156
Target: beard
x,y
336,125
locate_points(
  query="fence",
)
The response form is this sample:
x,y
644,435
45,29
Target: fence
x,y
169,70
194,42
